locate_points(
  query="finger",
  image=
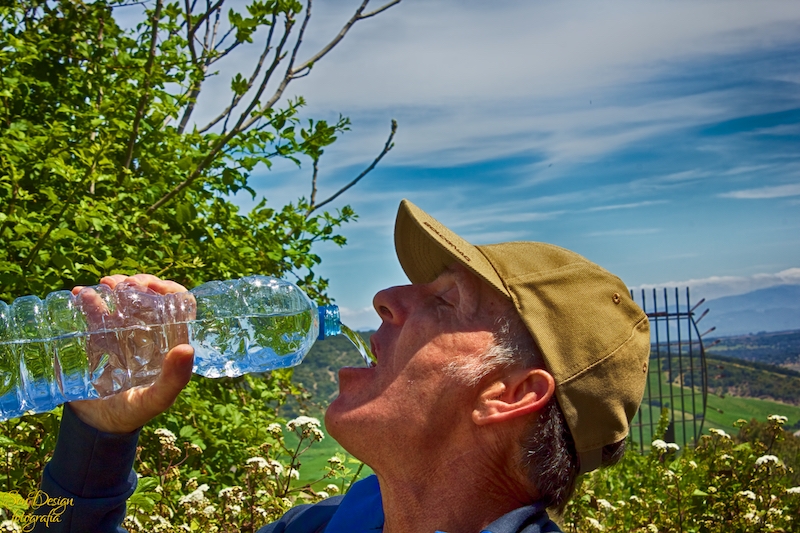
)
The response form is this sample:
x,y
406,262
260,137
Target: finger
x,y
162,286
175,374
112,281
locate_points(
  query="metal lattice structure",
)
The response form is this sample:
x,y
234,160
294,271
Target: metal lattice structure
x,y
677,377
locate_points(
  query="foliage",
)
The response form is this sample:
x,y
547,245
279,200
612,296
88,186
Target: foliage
x,y
224,464
218,460
104,167
720,486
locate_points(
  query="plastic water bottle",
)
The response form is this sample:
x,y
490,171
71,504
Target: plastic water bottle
x,y
101,342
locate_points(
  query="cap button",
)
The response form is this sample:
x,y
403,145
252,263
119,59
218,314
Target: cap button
x,y
616,298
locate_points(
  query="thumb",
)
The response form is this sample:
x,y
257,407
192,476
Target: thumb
x,y
175,374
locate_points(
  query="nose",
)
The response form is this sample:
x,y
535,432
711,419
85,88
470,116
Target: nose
x,y
390,304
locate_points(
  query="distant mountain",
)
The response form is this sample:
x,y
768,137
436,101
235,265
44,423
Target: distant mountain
x,y
772,309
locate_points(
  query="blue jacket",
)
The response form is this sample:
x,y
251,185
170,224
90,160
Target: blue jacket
x,y
94,470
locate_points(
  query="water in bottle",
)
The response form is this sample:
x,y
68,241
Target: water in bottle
x,y
101,342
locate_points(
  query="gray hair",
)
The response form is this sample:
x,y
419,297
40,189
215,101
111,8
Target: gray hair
x,y
548,457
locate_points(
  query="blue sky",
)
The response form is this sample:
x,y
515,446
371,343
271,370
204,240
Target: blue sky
x,y
659,139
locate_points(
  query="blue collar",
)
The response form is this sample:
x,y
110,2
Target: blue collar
x,y
361,511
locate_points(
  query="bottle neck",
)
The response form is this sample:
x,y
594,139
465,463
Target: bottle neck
x,y
329,323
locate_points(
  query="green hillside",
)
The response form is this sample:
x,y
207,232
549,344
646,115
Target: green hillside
x,y
728,376
780,348
318,374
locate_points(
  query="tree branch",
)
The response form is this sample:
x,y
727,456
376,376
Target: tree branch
x,y
287,77
203,17
379,10
146,87
386,148
206,61
223,140
245,120
296,73
313,185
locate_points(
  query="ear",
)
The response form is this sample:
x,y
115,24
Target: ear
x,y
517,393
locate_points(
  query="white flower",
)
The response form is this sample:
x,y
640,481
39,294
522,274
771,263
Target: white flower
x,y
234,493
334,460
196,496
765,459
671,446
275,467
293,473
595,524
774,512
322,494
209,510
751,517
259,463
652,528
274,429
8,525
726,457
605,504
165,436
195,448
720,433
331,488
780,419
660,445
692,465
793,490
303,422
749,494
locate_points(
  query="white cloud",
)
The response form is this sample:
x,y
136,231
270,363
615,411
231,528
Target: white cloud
x,y
470,83
626,206
719,286
775,191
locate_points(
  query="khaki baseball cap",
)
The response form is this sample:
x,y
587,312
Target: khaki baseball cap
x,y
594,339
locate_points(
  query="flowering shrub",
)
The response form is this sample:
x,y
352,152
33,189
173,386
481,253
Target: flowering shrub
x,y
722,485
220,460
165,500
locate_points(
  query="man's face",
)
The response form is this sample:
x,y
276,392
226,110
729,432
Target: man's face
x,y
409,396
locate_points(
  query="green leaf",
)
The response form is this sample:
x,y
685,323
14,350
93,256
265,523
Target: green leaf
x,y
15,503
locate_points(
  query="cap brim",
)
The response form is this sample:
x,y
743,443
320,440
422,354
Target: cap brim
x,y
425,248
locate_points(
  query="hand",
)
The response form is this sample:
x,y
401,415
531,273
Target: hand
x,y
128,410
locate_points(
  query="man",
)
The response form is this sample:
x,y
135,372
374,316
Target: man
x,y
503,371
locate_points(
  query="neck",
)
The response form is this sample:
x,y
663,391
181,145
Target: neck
x,y
463,494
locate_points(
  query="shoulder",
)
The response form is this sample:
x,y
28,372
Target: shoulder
x,y
359,510
309,518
